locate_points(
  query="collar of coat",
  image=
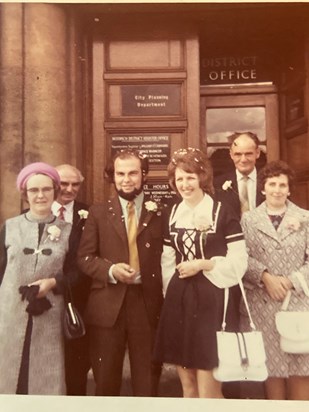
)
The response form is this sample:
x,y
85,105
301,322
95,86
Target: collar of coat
x,y
259,218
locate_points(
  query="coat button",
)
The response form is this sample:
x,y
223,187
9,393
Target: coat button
x,y
147,245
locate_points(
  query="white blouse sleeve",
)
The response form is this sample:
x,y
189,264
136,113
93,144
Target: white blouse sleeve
x,y
230,268
168,264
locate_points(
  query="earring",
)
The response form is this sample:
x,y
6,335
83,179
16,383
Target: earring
x,y
263,192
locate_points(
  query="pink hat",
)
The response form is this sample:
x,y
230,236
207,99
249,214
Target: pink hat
x,y
35,169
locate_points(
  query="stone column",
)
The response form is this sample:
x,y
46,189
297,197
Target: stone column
x,y
11,106
36,97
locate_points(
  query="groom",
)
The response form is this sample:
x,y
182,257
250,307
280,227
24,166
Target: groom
x,y
120,250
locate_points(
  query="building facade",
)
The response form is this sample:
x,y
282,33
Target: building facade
x,y
80,81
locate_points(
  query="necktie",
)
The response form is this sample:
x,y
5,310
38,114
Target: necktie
x,y
132,232
243,194
61,211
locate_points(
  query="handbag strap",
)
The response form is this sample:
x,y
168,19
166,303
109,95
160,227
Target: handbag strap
x,y
68,294
286,301
226,299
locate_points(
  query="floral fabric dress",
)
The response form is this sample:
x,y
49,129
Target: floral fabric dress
x,y
28,254
284,252
193,307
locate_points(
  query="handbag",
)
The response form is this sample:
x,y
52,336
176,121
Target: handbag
x,y
241,355
293,328
73,324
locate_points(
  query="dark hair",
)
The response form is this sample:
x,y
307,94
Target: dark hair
x,y
192,161
251,135
274,169
125,154
24,194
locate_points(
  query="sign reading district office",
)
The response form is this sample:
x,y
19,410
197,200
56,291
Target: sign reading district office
x,y
151,100
157,147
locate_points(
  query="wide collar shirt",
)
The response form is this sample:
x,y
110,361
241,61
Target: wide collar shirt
x,y
68,212
252,183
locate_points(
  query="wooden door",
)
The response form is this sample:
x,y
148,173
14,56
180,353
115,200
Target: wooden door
x,y
224,112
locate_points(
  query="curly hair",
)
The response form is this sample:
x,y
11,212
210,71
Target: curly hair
x,y
274,169
192,161
126,154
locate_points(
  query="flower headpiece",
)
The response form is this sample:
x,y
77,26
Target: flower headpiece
x,y
190,151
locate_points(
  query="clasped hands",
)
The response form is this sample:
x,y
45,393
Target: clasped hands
x,y
276,286
192,267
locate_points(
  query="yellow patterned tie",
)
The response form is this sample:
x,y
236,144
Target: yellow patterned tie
x,y
132,232
243,194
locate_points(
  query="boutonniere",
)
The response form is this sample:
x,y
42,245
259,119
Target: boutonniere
x,y
227,185
293,223
83,214
54,233
202,224
151,206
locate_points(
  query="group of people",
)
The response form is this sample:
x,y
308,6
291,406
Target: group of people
x,y
151,278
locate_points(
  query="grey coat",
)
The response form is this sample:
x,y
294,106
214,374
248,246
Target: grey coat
x,y
281,252
46,371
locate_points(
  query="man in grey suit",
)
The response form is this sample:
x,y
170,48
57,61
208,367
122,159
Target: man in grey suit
x,y
120,250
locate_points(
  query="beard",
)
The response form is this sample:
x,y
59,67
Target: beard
x,y
131,195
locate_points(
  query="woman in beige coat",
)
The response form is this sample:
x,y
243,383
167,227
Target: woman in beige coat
x,y
277,237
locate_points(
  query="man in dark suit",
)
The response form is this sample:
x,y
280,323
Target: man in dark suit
x,y
244,152
77,362
121,250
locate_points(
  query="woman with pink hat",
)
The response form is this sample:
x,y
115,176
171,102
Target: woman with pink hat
x,y
34,249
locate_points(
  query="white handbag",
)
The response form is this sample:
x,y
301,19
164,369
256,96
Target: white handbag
x,y
241,354
293,328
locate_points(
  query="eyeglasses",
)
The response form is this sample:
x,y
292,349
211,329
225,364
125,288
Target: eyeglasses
x,y
37,190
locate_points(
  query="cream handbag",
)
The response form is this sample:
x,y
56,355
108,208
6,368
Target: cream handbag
x,y
241,354
293,328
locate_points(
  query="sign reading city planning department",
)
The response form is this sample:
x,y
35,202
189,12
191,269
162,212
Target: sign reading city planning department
x,y
156,147
151,100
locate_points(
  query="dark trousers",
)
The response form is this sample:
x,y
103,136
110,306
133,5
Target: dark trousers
x,y
108,346
77,365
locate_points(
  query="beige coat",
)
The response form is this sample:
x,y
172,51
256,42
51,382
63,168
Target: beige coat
x,y
282,252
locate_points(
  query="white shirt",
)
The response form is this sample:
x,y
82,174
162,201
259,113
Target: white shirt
x,y
251,183
68,212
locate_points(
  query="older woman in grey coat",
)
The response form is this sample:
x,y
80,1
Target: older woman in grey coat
x,y
277,237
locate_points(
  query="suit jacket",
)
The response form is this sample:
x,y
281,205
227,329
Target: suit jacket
x,y
103,243
80,287
231,196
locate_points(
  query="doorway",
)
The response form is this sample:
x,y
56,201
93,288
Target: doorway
x,y
225,110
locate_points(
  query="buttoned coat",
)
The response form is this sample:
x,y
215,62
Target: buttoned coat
x,y
103,243
230,195
282,252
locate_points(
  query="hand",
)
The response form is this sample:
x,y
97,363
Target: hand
x,y
124,273
189,268
45,286
276,286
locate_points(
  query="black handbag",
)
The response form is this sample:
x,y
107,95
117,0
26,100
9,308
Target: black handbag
x,y
73,324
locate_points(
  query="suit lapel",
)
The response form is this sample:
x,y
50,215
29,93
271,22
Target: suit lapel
x,y
145,218
115,216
